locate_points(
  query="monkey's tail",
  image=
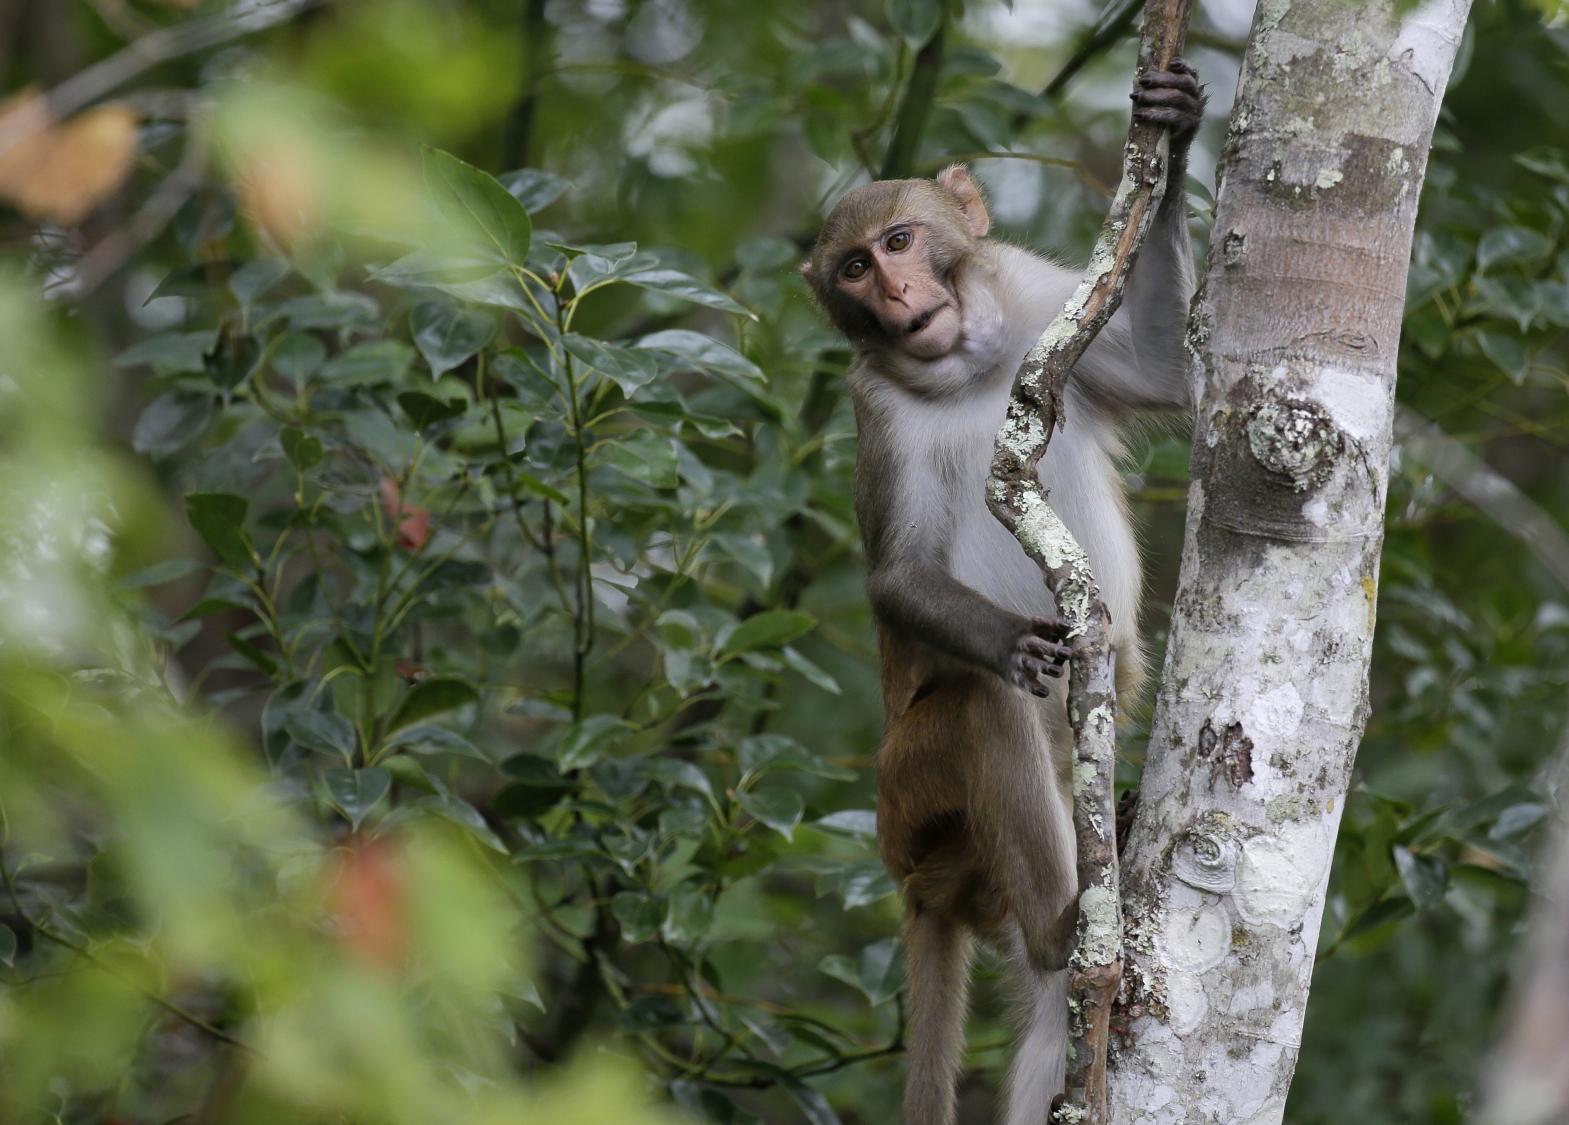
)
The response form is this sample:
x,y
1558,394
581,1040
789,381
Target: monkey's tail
x,y
937,977
1036,1075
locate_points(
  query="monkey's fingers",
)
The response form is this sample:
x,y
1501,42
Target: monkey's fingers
x,y
1175,79
1186,110
1042,649
1052,628
1180,65
1178,120
1029,674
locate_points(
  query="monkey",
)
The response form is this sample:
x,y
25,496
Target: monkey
x,y
974,817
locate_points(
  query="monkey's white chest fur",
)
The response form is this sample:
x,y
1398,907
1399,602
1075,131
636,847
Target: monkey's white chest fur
x,y
953,449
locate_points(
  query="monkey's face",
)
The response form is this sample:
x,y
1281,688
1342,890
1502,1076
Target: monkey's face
x,y
885,265
894,277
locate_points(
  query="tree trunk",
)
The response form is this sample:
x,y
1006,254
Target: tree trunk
x,y
1264,693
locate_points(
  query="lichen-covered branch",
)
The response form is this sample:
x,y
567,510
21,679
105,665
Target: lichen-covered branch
x,y
1263,697
1015,496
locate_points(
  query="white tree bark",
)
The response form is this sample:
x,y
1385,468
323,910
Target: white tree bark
x,y
1264,694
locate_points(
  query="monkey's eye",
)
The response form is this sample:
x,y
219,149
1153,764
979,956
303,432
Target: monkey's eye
x,y
856,268
898,240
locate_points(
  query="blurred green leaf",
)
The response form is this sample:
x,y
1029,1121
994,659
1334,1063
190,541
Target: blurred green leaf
x,y
476,202
447,336
916,20
779,809
219,518
322,730
430,697
533,188
769,629
356,792
1426,877
378,361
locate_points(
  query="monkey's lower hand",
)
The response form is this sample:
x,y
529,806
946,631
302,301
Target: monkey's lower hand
x,y
1039,654
1173,98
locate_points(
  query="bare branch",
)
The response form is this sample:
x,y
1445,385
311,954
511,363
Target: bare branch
x,y
157,47
1015,497
115,248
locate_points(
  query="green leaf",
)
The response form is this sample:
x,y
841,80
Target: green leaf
x,y
675,773
170,422
814,1107
298,356
302,450
644,456
433,697
534,189
809,671
703,353
779,809
688,916
856,882
1545,160
232,359
916,20
674,283
219,518
377,361
463,814
427,738
258,658
1507,354
254,278
326,731
331,310
584,742
850,822
427,410
638,913
7,946
1426,877
769,629
447,336
629,368
1511,246
159,573
876,973
1517,820
171,353
355,792
476,201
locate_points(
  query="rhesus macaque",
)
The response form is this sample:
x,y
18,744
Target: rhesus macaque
x,y
974,818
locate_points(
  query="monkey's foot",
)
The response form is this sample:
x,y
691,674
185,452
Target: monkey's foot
x,y
1171,97
1039,654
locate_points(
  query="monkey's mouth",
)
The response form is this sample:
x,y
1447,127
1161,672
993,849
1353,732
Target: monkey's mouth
x,y
918,325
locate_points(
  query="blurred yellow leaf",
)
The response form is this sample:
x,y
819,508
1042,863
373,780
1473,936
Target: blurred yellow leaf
x,y
62,170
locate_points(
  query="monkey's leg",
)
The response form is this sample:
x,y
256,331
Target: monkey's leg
x,y
937,979
1035,1076
1025,825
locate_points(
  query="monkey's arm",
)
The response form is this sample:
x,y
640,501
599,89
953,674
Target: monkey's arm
x,y
907,525
924,602
1139,361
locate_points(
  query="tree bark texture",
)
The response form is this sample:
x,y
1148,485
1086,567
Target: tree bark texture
x,y
1263,697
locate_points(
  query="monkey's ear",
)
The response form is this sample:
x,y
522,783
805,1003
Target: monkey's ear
x,y
806,271
956,179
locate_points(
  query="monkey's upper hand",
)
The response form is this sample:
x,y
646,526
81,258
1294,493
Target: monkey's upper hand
x,y
1039,654
1173,98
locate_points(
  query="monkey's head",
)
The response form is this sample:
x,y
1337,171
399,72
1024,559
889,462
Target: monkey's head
x,y
884,265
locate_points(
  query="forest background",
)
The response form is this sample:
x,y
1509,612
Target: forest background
x,y
435,676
